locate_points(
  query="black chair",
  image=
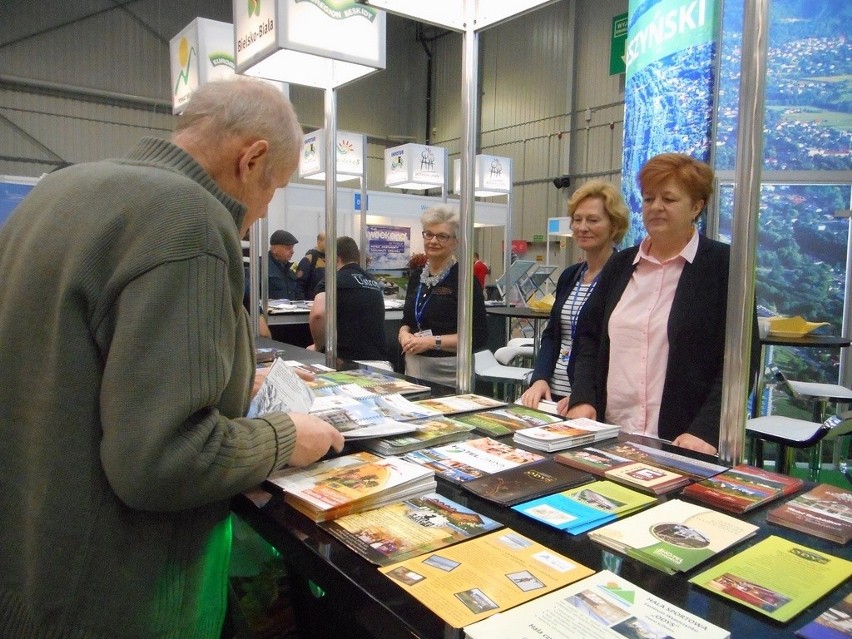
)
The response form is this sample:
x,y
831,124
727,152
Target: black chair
x,y
791,434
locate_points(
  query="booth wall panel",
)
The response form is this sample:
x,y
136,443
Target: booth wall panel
x,y
528,110
57,130
598,96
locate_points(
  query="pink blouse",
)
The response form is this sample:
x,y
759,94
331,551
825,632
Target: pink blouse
x,y
639,342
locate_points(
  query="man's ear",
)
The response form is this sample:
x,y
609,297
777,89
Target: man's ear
x,y
253,158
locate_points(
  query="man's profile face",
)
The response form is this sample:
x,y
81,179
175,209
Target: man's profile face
x,y
257,190
282,252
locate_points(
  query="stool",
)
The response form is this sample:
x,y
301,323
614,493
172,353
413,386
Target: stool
x,y
508,354
790,433
835,435
820,395
488,369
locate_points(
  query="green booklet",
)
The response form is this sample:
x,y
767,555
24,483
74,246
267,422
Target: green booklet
x,y
675,536
506,420
776,577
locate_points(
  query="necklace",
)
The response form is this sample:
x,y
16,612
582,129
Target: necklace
x,y
429,280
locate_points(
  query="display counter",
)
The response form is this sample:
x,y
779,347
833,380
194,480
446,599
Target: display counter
x,y
334,590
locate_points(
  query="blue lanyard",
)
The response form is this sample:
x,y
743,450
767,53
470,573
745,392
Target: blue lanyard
x,y
577,303
419,307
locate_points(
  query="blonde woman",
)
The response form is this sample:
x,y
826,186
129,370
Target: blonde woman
x,y
599,220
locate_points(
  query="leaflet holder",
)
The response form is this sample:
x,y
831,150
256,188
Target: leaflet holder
x,y
518,287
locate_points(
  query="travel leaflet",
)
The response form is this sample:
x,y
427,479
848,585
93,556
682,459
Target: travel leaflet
x,y
602,606
472,458
357,487
674,536
834,622
585,508
408,528
568,434
506,420
524,482
464,403
431,431
824,511
474,579
776,577
743,488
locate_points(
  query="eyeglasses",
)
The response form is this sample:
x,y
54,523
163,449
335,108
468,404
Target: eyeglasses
x,y
442,238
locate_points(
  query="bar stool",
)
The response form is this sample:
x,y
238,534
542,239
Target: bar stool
x,y
488,369
819,395
506,355
791,433
836,436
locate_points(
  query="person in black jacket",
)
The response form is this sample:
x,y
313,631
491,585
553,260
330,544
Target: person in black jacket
x,y
360,330
650,342
599,220
282,272
429,331
311,270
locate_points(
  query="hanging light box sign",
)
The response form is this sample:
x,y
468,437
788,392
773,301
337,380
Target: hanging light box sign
x,y
492,176
452,13
202,52
349,151
415,166
319,43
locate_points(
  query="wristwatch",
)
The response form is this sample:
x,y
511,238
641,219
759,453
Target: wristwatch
x,y
437,342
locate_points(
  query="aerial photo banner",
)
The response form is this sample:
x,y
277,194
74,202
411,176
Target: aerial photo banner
x,y
669,83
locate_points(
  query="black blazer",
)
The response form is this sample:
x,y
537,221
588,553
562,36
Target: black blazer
x,y
692,391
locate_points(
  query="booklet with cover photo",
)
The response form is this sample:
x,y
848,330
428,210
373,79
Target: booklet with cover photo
x,y
675,536
776,577
408,528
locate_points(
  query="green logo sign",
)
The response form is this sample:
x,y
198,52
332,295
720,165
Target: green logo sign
x,y
342,9
616,49
254,7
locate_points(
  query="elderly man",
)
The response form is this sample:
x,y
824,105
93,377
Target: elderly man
x,y
122,393
282,272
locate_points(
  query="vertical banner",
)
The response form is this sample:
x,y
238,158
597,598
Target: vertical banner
x,y
388,247
668,94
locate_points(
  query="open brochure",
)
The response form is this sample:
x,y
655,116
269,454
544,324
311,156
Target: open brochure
x,y
476,578
357,418
603,606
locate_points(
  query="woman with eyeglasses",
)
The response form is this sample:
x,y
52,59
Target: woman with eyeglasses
x,y
599,220
429,331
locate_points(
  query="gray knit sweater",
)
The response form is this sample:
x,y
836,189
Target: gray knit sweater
x,y
125,367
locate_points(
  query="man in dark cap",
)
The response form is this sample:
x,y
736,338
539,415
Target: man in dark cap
x,y
282,272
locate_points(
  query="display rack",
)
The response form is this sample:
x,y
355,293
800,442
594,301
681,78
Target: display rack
x,y
514,291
